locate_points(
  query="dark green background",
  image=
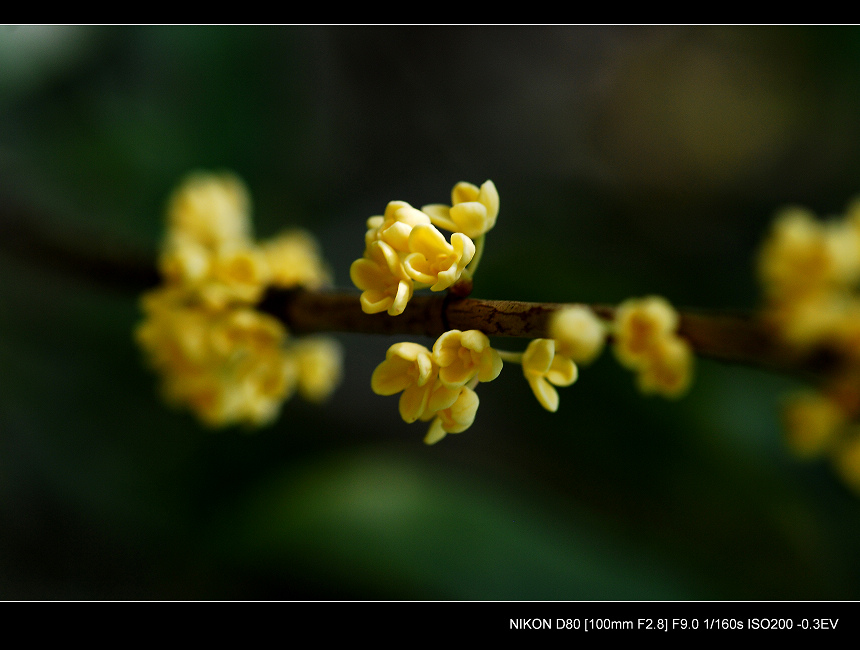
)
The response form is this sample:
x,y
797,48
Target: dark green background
x,y
629,161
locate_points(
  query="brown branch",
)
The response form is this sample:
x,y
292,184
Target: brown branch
x,y
742,338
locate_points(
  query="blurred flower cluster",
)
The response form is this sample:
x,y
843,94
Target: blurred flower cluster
x,y
809,270
646,342
216,354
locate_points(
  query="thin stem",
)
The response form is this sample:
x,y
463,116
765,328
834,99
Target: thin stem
x,y
510,357
734,338
469,271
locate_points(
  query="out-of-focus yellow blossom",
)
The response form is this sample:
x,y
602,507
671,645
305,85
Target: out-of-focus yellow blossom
x,y
227,366
668,370
212,210
473,212
216,354
810,270
434,261
804,256
456,418
578,333
645,341
319,362
812,423
294,260
639,325
543,367
462,356
383,280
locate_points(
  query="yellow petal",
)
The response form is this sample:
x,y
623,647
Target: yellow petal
x,y
413,401
562,372
491,365
546,394
464,192
390,377
471,218
435,433
538,356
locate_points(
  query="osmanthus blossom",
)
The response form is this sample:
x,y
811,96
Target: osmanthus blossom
x,y
809,270
639,325
404,248
395,226
578,333
473,211
462,356
409,367
212,210
455,419
216,354
646,342
433,261
382,279
544,369
294,260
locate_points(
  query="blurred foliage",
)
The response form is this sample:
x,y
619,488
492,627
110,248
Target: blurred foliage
x,y
629,160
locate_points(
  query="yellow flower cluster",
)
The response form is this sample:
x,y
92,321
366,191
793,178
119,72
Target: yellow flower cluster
x,y
216,354
405,251
810,270
438,385
646,341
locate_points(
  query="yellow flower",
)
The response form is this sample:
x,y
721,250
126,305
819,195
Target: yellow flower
x,y
294,260
211,210
639,325
542,367
409,367
433,260
578,333
384,283
464,355
454,419
318,363
803,256
228,366
668,368
395,225
217,355
645,341
473,213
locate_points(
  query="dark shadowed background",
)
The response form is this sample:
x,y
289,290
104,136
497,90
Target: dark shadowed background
x,y
629,161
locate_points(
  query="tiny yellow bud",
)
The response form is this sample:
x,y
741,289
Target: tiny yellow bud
x,y
578,333
639,325
319,362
